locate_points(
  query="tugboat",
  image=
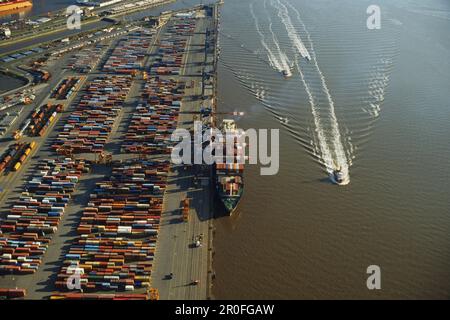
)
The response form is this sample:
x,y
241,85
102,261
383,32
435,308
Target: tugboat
x,y
287,73
339,177
229,175
284,120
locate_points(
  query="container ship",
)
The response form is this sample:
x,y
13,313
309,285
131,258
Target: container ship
x,y
6,5
229,175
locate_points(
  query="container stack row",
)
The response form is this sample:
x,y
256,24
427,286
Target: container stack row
x,y
42,118
14,157
27,229
169,57
86,60
94,296
118,230
65,89
129,55
88,127
183,26
155,118
12,293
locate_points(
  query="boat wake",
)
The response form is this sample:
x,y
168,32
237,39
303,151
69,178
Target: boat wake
x,y
283,13
277,58
327,130
378,85
331,125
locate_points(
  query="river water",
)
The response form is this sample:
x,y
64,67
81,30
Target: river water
x,y
9,83
374,103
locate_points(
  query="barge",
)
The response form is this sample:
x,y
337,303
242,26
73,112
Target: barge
x,y
14,4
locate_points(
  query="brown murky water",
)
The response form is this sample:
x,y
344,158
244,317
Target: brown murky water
x,y
295,234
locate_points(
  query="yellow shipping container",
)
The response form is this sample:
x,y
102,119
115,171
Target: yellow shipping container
x,y
17,166
119,262
86,267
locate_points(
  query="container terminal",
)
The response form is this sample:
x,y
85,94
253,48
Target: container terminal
x,y
89,12
90,205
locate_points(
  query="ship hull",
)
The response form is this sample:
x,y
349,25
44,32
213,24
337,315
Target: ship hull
x,y
229,203
15,5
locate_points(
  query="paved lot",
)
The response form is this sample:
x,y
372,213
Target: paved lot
x,y
175,252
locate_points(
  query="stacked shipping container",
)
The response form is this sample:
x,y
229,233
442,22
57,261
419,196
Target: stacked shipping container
x,y
119,226
118,230
42,118
87,59
15,156
156,118
88,127
26,230
129,54
65,89
171,50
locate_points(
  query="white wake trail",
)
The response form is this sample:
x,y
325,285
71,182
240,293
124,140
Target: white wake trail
x,y
278,64
325,151
283,13
378,86
332,143
283,57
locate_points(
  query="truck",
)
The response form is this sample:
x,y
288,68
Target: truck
x,y
5,33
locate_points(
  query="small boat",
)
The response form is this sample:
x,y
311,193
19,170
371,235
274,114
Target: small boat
x,y
339,177
287,73
169,276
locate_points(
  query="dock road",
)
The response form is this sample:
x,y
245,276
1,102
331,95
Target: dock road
x,y
176,252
